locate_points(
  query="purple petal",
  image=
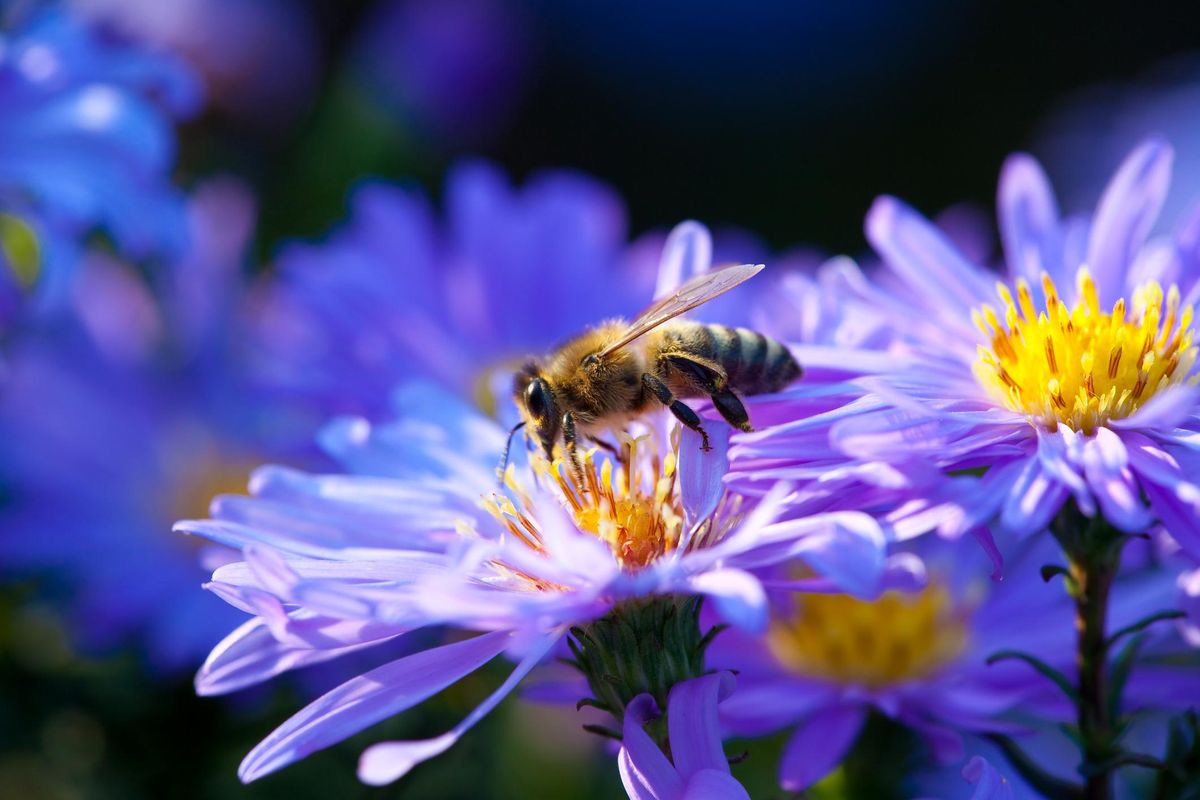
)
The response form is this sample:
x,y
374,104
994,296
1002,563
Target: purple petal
x,y
921,255
687,253
1167,409
701,475
389,761
853,556
645,771
709,784
252,654
1029,220
989,784
367,699
692,723
819,745
738,595
1126,213
1034,498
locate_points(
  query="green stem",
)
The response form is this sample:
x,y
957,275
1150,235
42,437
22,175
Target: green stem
x,y
1093,550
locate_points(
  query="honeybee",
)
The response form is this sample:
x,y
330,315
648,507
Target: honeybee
x,y
616,370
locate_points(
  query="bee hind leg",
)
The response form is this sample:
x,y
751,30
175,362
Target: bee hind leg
x,y
714,384
682,412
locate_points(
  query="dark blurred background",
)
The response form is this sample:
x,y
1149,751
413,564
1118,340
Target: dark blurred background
x,y
782,118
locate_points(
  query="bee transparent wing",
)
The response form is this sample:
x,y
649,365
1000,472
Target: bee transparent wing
x,y
695,292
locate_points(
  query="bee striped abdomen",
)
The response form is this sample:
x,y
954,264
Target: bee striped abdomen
x,y
754,364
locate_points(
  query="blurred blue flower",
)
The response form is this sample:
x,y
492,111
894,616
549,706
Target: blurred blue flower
x,y
258,59
114,425
87,146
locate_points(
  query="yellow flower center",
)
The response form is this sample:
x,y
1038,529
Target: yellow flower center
x,y
628,500
900,636
1083,366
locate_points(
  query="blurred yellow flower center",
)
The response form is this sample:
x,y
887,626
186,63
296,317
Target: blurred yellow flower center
x,y
194,494
1084,366
627,500
898,637
21,251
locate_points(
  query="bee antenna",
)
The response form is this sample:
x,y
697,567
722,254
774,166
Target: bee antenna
x,y
507,446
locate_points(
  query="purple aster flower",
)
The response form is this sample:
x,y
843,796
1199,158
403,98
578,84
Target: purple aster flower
x,y
697,769
87,145
114,426
921,658
1086,393
420,534
423,536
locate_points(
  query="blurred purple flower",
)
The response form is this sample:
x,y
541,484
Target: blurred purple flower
x,y
697,769
398,294
259,59
87,145
113,426
921,659
455,71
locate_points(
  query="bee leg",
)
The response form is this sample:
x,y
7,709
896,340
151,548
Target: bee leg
x,y
713,384
569,438
682,412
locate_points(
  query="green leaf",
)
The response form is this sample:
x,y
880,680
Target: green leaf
x,y
1049,786
1044,669
1143,623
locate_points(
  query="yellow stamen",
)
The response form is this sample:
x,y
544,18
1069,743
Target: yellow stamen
x,y
630,502
1082,367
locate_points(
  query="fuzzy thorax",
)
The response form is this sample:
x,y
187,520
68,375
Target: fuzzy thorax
x,y
1083,366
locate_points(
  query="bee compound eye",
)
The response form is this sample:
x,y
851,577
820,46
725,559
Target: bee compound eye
x,y
535,399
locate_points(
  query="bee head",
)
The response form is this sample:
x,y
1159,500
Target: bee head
x,y
535,399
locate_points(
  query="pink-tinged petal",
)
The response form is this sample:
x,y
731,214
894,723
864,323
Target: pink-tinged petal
x,y
1125,215
988,543
389,761
367,699
919,253
687,253
1178,509
1167,409
819,745
989,784
738,595
252,654
1105,461
1029,220
709,784
692,723
645,771
701,475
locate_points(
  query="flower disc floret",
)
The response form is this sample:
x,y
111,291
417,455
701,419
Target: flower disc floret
x,y
1082,367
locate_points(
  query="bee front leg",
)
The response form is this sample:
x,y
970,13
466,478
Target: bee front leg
x,y
572,447
682,412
